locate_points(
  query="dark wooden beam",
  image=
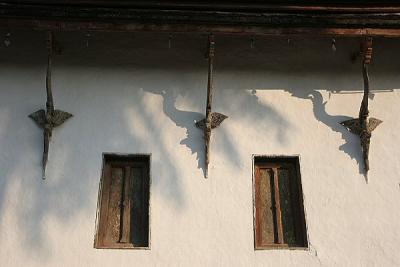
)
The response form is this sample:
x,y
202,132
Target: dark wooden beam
x,y
53,25
200,17
318,20
256,5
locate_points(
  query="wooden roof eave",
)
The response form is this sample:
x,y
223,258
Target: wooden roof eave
x,y
127,19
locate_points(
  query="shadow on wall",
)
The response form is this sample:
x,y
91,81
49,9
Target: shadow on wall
x,y
184,119
304,68
25,200
118,62
194,140
352,146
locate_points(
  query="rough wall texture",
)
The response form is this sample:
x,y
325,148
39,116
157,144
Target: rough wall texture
x,y
131,94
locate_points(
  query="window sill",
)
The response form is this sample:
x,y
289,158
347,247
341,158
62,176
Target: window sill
x,y
122,247
281,247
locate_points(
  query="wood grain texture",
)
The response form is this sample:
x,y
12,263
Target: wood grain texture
x,y
279,214
49,118
124,204
265,227
345,20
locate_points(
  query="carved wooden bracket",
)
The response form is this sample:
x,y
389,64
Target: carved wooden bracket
x,y
49,118
213,119
362,126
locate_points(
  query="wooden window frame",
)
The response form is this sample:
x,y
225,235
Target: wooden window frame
x,y
122,160
274,162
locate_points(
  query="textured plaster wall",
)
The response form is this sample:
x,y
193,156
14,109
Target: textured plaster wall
x,y
129,93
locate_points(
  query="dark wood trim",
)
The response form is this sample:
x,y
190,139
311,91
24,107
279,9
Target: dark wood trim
x,y
124,162
257,225
302,211
47,25
273,164
126,206
103,201
271,5
377,20
278,211
297,213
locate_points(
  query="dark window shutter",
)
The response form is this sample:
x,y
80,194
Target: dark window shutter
x,y
124,203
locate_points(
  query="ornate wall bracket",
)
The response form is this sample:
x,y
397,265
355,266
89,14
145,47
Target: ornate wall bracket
x,y
213,119
49,118
363,126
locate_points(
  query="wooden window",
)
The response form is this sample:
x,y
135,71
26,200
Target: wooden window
x,y
279,213
123,218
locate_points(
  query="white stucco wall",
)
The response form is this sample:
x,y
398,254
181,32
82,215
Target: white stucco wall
x,y
129,93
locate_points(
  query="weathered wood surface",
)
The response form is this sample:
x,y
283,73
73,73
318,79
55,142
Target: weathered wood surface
x,y
362,126
378,20
216,120
126,207
213,119
265,227
229,4
215,6
201,17
124,204
279,214
49,118
207,129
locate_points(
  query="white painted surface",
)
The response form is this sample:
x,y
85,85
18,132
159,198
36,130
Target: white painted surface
x,y
129,93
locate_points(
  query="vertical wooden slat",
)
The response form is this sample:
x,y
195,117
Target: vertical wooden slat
x,y
137,227
296,206
105,193
145,204
114,208
278,207
126,207
288,204
258,208
302,221
265,226
279,212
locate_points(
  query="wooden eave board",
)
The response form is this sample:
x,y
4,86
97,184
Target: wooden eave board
x,y
221,17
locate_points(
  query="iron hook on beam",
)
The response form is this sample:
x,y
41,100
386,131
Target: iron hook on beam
x,y
49,118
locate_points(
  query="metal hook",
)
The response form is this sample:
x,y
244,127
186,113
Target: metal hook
x,y
87,35
333,45
252,42
7,41
169,40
